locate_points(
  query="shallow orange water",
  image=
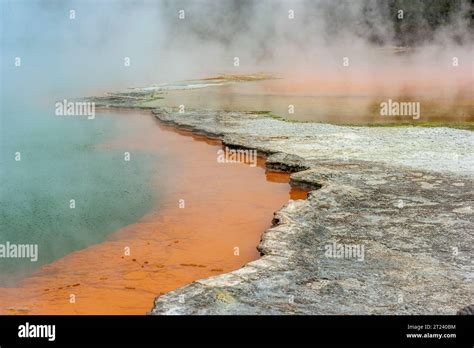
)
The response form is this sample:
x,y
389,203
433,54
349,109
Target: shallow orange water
x,y
226,206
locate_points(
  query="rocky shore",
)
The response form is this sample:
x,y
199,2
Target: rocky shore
x,y
386,229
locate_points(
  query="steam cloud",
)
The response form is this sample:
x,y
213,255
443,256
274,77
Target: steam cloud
x,y
307,50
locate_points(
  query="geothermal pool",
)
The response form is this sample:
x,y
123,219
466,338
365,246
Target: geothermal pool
x,y
170,215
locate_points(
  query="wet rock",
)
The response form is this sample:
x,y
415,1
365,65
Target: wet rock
x,y
468,310
282,162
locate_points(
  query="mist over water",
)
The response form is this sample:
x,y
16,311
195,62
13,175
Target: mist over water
x,y
168,41
61,157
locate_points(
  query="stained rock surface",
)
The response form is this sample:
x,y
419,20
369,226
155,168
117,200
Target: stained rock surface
x,y
413,218
386,229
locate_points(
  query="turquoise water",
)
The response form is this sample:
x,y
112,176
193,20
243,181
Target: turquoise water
x,y
62,158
